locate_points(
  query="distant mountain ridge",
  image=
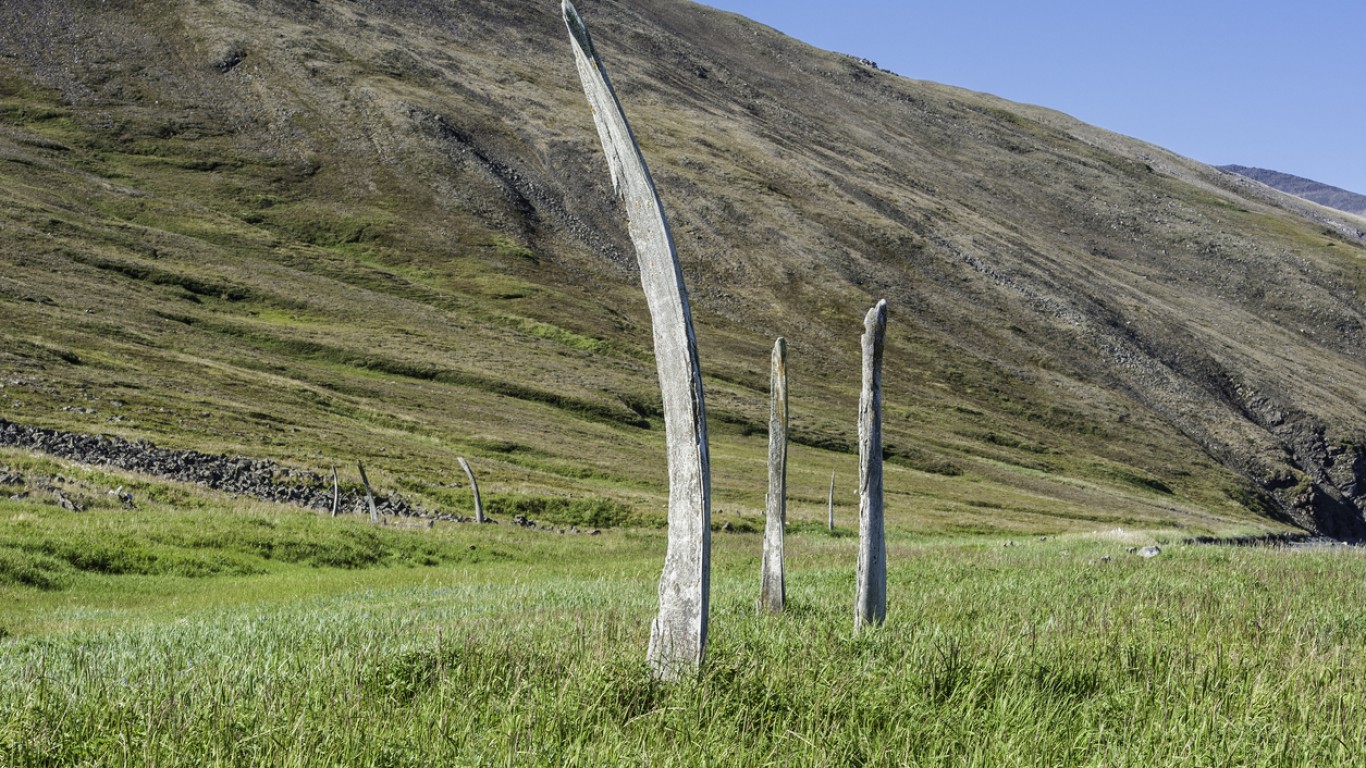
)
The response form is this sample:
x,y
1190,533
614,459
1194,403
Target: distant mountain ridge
x,y
1313,191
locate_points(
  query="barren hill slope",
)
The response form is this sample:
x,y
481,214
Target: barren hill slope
x,y
327,231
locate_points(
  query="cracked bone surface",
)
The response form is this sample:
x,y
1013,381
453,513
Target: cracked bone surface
x,y
870,605
678,636
772,576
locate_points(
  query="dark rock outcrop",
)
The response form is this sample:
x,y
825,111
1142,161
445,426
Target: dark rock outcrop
x,y
257,478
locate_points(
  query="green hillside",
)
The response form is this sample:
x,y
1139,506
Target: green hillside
x,y
327,232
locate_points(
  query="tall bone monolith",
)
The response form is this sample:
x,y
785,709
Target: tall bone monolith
x,y
773,575
678,637
870,606
336,492
369,494
474,488
830,508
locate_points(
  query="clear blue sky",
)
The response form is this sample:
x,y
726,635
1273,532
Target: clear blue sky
x,y
1279,85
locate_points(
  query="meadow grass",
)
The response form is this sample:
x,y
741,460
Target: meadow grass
x,y
527,648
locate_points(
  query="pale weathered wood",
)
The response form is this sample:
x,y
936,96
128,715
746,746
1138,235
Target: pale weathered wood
x,y
830,509
474,486
870,605
678,637
773,575
369,493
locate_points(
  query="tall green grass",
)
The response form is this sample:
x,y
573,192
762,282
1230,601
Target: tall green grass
x,y
1042,654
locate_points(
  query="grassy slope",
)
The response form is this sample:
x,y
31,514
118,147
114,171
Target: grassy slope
x,y
339,247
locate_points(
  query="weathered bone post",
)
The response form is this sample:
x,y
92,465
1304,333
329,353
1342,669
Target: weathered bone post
x,y
336,492
474,487
870,605
369,494
773,576
830,508
678,637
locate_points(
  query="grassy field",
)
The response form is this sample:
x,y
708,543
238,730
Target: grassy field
x,y
205,631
